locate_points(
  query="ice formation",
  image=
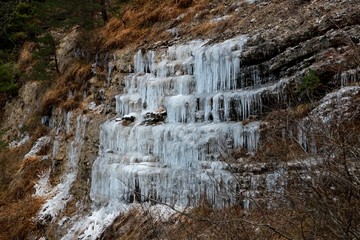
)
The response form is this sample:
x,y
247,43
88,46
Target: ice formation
x,y
40,143
350,77
58,196
181,160
170,163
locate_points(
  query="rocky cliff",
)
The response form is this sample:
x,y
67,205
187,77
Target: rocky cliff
x,y
233,103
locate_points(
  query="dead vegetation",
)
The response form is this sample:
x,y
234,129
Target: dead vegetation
x,y
26,60
17,205
148,21
16,218
67,89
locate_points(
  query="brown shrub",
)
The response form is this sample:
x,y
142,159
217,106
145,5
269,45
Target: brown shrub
x,y
114,24
74,79
70,104
301,110
25,57
142,21
124,38
23,182
17,179
10,162
82,73
53,98
16,218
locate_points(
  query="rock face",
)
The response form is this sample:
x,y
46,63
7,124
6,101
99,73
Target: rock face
x,y
157,117
17,113
180,111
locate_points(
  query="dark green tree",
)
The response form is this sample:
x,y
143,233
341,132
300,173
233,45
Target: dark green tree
x,y
16,24
8,78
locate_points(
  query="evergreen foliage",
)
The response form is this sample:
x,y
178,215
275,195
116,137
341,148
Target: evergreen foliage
x,y
310,85
310,82
34,20
62,14
16,24
8,78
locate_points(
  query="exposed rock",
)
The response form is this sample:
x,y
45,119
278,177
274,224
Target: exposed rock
x,y
339,106
67,47
21,111
127,119
156,117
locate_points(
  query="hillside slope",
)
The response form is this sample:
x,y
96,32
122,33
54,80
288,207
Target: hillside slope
x,y
191,119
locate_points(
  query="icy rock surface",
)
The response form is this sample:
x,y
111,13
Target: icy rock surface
x,y
58,196
336,106
350,77
40,143
334,109
179,161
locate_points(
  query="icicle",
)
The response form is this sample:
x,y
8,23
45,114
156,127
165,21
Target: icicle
x,y
181,159
217,66
180,108
144,64
60,194
68,122
161,156
45,120
139,62
111,67
127,104
350,77
302,138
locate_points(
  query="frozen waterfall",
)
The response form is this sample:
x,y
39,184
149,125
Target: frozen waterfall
x,y
181,159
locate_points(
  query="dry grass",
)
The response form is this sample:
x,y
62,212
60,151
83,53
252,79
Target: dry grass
x,y
123,227
53,98
204,28
206,222
70,104
10,162
16,218
17,206
73,80
301,110
80,73
25,59
202,222
184,3
17,179
24,180
147,21
124,37
143,22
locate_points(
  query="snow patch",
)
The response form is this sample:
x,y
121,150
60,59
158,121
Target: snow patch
x,y
14,144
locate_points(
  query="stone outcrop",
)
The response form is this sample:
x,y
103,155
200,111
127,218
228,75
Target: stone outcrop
x,y
156,117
